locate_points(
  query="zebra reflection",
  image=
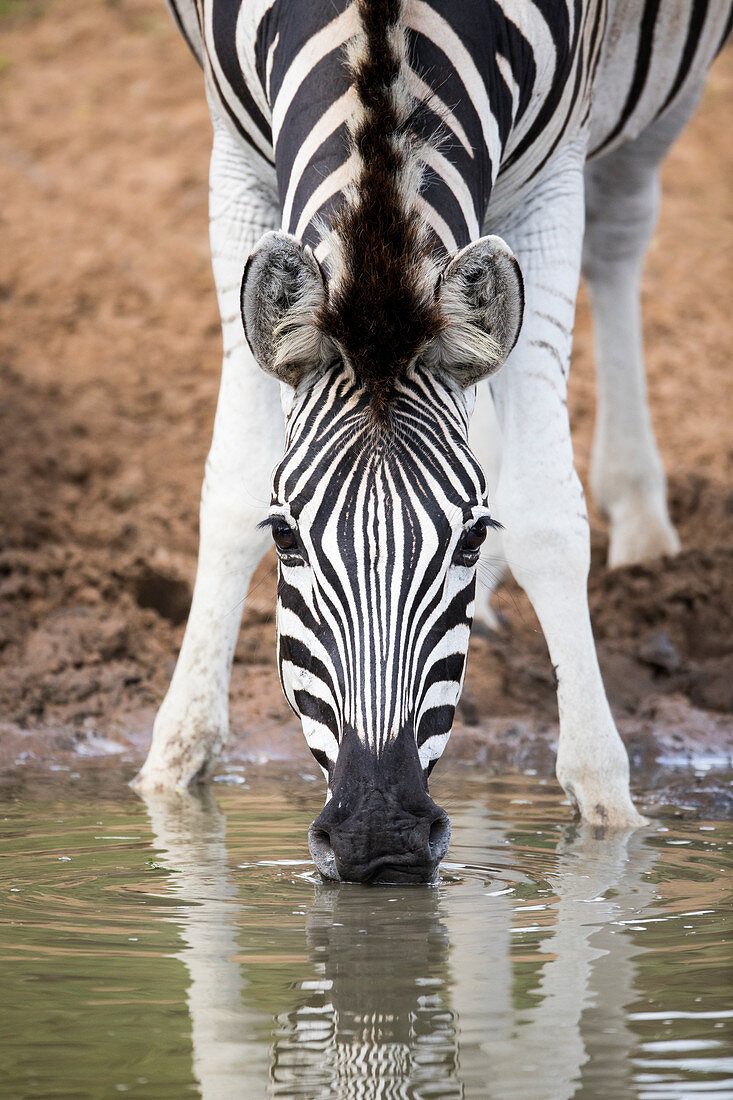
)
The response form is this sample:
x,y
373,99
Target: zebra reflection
x,y
377,1023
190,831
411,992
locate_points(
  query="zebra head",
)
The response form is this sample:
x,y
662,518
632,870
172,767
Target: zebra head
x,y
378,514
378,508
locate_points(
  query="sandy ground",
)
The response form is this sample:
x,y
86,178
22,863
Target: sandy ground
x,y
109,353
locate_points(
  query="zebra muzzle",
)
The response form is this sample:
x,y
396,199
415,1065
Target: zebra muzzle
x,y
380,824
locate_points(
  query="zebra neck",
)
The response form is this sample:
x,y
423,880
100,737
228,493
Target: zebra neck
x,y
301,63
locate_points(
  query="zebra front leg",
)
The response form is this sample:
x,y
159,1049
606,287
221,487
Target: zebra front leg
x,y
191,726
540,500
627,476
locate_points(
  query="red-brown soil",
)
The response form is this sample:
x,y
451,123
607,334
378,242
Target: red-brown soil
x,y
109,353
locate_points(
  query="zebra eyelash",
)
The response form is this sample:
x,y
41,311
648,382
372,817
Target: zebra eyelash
x,y
482,515
280,514
272,521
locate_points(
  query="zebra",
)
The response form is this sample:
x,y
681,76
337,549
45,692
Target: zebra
x,y
403,194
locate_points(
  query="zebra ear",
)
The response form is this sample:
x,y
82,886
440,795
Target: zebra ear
x,y
481,296
283,290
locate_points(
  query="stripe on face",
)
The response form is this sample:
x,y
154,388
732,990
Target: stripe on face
x,y
373,614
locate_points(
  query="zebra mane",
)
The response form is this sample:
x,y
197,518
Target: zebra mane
x,y
382,306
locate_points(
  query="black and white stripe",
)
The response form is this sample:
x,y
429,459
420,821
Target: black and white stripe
x,y
373,621
674,46
502,84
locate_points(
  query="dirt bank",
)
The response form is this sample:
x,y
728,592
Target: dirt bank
x,y
109,353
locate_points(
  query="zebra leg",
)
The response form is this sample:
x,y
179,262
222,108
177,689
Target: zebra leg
x,y
485,440
192,723
621,205
627,476
540,499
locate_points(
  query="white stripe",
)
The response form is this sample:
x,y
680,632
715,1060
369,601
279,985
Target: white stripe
x,y
432,748
508,76
244,42
440,693
304,681
329,122
322,251
438,224
268,66
320,738
336,182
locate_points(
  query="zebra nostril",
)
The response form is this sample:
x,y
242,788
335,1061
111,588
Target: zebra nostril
x,y
439,837
319,842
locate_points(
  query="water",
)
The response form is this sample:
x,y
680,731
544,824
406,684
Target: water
x,y
187,948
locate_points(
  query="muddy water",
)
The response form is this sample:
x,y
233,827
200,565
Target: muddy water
x,y
185,947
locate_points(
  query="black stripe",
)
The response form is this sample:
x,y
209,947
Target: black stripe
x,y
438,194
520,55
454,614
437,720
694,29
447,668
312,707
319,88
298,654
322,759
641,72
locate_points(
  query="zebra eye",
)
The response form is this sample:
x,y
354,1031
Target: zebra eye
x,y
475,537
283,535
469,544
